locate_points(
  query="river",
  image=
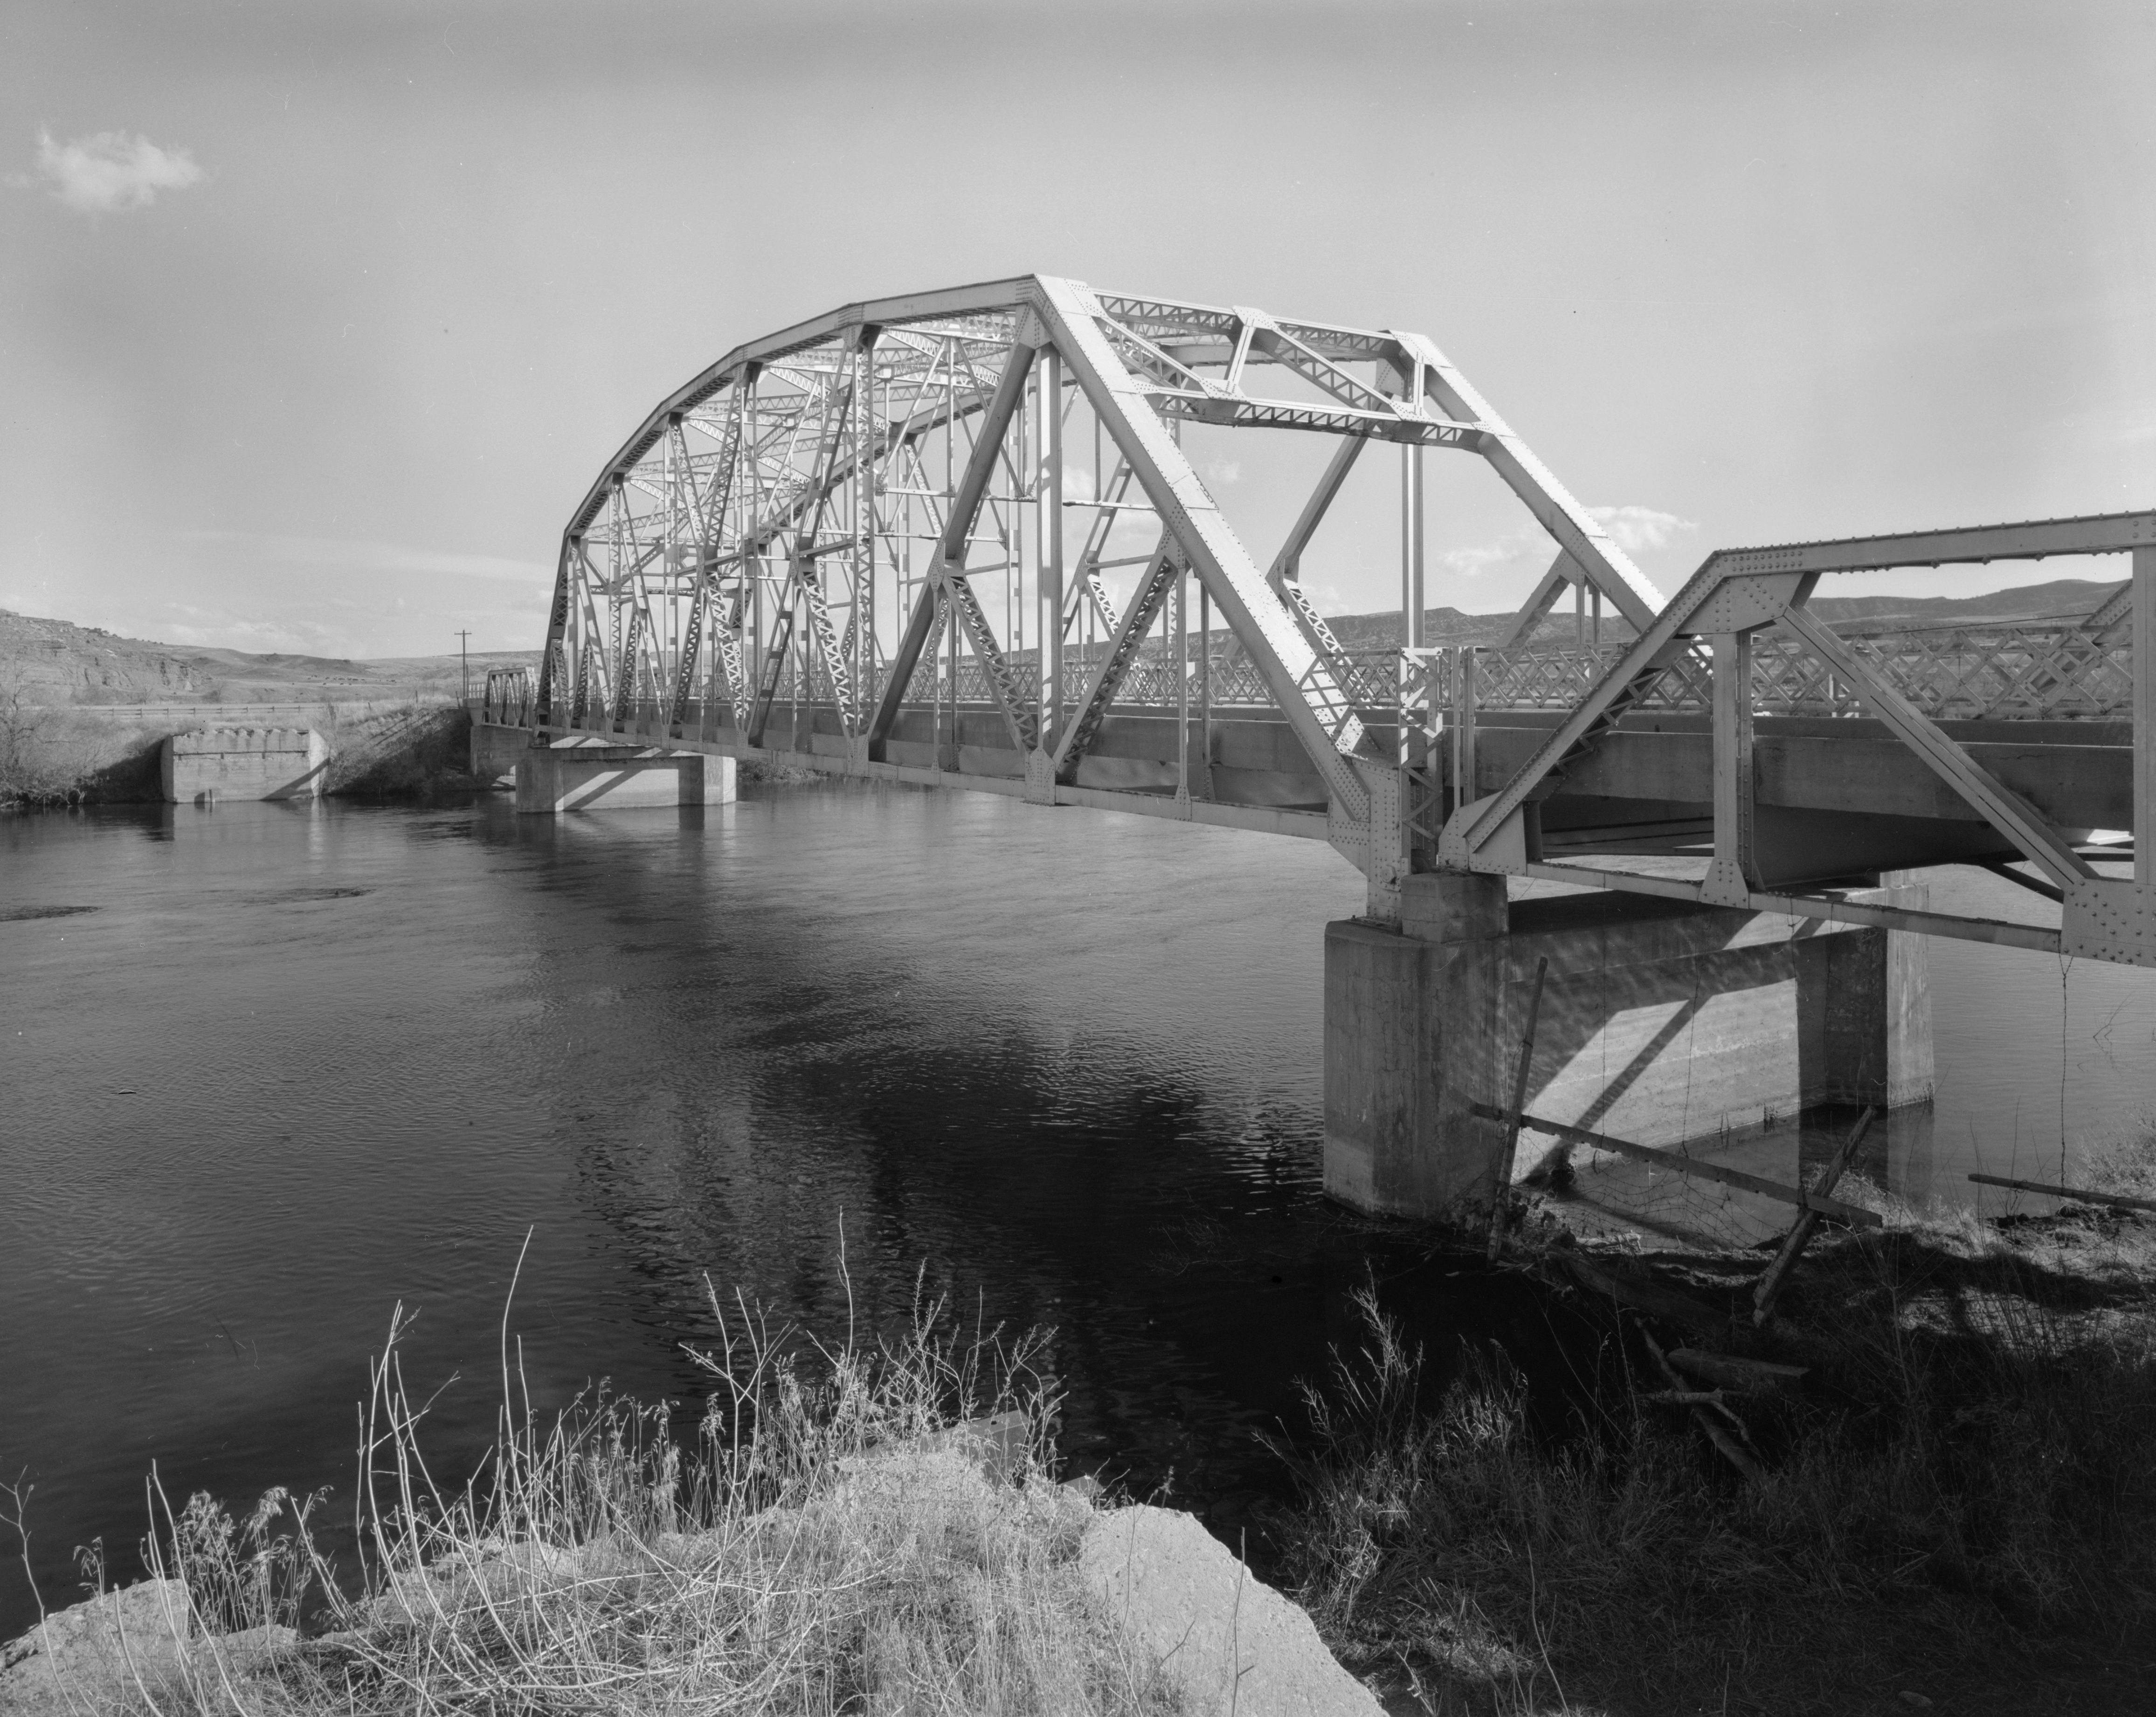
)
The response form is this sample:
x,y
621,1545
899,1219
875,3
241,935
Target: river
x,y
272,1071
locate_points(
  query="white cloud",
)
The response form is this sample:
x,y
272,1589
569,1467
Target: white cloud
x,y
1637,530
1225,472
1517,547
111,170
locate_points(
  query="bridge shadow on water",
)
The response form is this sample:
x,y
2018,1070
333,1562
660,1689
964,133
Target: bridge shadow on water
x,y
1075,1091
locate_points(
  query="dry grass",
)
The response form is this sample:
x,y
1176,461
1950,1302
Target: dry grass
x,y
1959,1504
66,757
825,1541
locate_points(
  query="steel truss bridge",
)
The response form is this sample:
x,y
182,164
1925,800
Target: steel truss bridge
x,y
876,544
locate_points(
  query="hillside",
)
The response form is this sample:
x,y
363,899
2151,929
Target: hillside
x,y
54,663
2058,599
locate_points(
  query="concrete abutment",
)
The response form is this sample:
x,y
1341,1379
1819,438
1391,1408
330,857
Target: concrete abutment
x,y
204,765
1660,1022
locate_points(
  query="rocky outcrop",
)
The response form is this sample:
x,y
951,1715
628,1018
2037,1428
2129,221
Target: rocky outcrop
x,y
1165,1597
1228,1641
137,1645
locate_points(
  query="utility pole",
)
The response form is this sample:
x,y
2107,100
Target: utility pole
x,y
464,651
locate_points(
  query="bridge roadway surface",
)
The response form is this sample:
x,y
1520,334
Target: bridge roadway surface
x,y
871,545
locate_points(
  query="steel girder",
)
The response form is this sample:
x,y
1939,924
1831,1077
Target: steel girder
x,y
1738,593
818,501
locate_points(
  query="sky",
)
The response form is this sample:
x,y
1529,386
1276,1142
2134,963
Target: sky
x,y
317,318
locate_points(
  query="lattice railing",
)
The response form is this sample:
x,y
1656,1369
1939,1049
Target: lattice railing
x,y
2003,673
1152,683
2016,673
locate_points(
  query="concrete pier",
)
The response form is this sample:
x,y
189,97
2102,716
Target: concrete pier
x,y
208,764
1660,1022
581,776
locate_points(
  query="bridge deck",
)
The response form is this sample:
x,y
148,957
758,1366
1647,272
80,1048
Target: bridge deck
x,y
1648,789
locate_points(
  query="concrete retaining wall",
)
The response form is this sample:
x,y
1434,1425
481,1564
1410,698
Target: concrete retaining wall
x,y
208,764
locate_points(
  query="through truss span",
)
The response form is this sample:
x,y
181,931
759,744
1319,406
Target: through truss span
x,y
881,543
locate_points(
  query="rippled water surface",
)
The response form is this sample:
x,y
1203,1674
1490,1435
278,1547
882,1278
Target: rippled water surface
x,y
271,1071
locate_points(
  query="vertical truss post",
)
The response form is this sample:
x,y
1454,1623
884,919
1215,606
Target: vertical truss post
x,y
947,756
616,583
2143,588
863,630
1411,543
1464,791
1051,627
1734,874
1411,597
1183,690
1204,692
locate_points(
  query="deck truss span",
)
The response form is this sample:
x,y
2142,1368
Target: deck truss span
x,y
1740,639
844,542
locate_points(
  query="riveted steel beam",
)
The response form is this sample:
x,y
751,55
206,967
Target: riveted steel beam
x,y
1316,705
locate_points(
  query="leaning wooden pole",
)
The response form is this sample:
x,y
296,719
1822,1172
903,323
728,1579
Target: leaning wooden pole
x,y
2117,1201
1776,1272
1497,1199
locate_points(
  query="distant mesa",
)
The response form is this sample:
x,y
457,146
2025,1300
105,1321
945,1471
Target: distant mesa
x,y
56,663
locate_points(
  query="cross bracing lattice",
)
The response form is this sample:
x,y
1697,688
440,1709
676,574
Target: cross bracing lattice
x,y
932,501
954,537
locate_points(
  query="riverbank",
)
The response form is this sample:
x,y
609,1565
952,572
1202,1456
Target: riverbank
x,y
1925,1487
846,1532
1924,1484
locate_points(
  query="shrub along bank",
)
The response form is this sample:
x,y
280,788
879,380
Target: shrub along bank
x,y
828,1543
1953,1506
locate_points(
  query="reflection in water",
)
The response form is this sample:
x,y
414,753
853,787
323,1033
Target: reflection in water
x,y
305,1062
